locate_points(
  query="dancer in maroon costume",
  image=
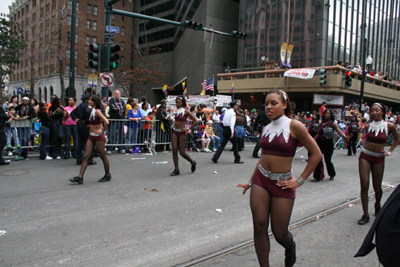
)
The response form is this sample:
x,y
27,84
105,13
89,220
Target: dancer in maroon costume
x,y
273,185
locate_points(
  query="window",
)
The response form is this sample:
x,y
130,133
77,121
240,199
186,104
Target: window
x,y
68,36
23,11
94,39
94,27
87,56
87,40
122,46
48,7
123,31
27,8
77,6
69,4
67,69
68,53
95,8
76,38
86,71
33,16
76,20
34,3
53,4
68,20
123,18
112,16
42,12
89,9
88,22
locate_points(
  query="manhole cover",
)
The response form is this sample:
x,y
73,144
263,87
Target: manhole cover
x,y
13,173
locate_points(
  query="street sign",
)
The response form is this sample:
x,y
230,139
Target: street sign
x,y
28,88
90,81
19,90
112,29
94,81
107,79
112,34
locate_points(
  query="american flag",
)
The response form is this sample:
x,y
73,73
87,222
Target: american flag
x,y
208,84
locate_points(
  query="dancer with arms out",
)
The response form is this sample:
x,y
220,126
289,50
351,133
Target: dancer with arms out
x,y
96,138
273,185
372,157
179,132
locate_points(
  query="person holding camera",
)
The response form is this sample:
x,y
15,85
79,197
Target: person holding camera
x,y
56,112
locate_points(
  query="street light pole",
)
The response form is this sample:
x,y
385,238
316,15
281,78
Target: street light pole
x,y
363,56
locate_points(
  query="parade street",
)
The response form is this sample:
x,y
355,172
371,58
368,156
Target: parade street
x,y
144,217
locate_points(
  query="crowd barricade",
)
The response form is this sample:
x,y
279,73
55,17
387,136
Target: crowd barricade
x,y
121,134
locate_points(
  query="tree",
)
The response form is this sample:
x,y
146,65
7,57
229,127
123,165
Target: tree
x,y
11,43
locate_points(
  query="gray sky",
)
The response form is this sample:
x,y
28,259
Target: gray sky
x,y
4,6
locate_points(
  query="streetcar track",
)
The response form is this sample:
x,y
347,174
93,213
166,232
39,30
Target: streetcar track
x,y
296,224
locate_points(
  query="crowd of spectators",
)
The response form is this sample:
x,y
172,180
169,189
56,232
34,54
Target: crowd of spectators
x,y
138,127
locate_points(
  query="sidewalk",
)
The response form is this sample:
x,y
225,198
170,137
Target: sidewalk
x,y
331,241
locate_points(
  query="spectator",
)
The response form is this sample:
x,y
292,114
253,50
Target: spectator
x,y
116,129
50,103
215,140
205,140
106,110
35,104
201,115
44,118
372,73
148,127
134,115
143,100
56,112
208,111
221,117
347,64
162,128
12,131
216,120
70,129
14,102
378,75
323,108
104,101
129,105
3,139
26,112
240,125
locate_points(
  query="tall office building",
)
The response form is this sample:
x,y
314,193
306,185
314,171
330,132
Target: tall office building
x,y
187,54
323,32
46,26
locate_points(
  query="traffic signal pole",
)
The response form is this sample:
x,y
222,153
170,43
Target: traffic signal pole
x,y
105,55
71,90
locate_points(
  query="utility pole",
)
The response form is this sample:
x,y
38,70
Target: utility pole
x,y
71,89
364,55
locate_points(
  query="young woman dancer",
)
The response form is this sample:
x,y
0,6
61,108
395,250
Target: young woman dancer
x,y
179,132
372,157
325,142
96,138
273,191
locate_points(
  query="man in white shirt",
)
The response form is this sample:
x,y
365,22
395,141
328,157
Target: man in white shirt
x,y
228,132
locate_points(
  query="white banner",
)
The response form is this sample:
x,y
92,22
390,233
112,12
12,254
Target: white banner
x,y
300,73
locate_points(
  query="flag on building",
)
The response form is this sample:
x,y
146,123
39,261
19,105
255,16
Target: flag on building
x,y
233,87
164,89
208,84
184,89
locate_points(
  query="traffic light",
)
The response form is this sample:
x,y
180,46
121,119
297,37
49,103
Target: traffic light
x,y
347,78
114,56
94,56
193,25
238,34
322,77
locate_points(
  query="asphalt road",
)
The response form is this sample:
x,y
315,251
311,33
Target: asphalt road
x,y
144,217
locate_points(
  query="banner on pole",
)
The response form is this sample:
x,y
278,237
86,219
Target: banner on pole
x,y
300,73
94,81
90,80
283,53
289,55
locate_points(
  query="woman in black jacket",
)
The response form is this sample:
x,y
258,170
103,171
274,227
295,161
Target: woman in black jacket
x,y
26,113
162,127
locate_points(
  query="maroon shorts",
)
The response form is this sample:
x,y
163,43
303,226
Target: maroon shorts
x,y
97,138
372,160
179,133
270,185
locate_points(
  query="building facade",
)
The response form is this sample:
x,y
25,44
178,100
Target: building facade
x,y
186,54
323,32
46,26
